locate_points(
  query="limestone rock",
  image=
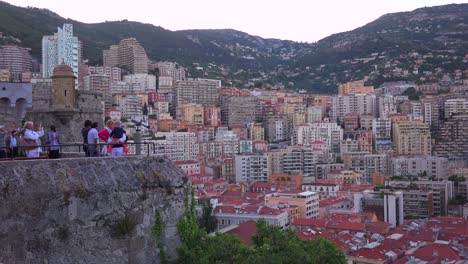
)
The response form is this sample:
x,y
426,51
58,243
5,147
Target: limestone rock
x,y
88,210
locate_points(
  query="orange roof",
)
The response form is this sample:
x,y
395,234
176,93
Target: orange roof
x,y
245,232
436,252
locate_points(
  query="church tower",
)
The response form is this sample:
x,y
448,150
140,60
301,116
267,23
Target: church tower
x,y
63,88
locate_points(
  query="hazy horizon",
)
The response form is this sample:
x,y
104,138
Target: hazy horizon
x,y
298,21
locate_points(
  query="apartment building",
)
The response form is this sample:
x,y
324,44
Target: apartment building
x,y
307,202
428,166
252,167
411,138
177,146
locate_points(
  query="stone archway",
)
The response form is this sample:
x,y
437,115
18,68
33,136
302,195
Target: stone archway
x,y
20,108
5,108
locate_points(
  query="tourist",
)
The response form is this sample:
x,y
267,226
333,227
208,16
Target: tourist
x,y
3,146
31,139
104,135
84,134
93,150
53,143
118,139
11,141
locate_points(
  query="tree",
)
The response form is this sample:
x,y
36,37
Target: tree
x,y
271,245
145,109
412,94
207,220
274,245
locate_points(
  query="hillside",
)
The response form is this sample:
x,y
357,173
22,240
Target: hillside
x,y
399,46
421,45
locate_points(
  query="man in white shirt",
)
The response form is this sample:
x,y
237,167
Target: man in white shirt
x,y
93,137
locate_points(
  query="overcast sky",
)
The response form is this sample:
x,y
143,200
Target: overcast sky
x,y
299,20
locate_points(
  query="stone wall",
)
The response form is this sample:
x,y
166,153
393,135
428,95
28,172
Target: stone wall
x,y
88,210
68,122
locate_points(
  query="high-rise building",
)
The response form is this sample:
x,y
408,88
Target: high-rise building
x,y
314,113
172,69
453,138
229,141
353,103
256,132
114,73
62,47
252,167
212,115
132,56
382,129
300,159
100,83
204,92
16,60
354,87
386,105
411,138
129,55
146,81
278,128
181,146
193,114
428,166
239,110
130,105
328,132
455,107
110,57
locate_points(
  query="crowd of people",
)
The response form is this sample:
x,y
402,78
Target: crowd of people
x,y
113,137
28,140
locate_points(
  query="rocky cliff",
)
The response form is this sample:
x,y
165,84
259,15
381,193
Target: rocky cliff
x,y
93,210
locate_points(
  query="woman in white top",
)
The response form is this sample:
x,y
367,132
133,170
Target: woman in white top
x,y
31,134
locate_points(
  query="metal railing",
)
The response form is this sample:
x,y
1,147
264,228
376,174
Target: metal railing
x,y
77,149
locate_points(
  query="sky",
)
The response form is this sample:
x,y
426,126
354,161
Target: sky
x,y
298,20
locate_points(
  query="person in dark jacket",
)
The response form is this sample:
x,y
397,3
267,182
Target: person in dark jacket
x,y
84,133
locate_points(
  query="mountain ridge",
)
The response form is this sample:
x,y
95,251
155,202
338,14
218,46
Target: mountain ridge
x,y
238,58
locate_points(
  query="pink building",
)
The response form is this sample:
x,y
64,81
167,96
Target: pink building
x,y
190,167
212,116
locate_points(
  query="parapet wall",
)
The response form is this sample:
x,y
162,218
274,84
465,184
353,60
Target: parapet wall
x,y
88,210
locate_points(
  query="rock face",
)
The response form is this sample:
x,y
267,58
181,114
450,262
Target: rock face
x,y
89,210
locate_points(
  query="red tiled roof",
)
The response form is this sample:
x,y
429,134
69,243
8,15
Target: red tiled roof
x,y
436,252
333,200
245,232
343,225
309,222
262,185
378,227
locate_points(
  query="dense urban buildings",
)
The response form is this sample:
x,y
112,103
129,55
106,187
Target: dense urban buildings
x,y
380,171
18,63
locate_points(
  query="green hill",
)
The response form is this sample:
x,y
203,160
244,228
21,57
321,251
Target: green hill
x,y
379,49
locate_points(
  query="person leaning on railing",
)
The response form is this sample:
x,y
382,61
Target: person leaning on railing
x,y
11,141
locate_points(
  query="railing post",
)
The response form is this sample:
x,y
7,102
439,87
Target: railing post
x,y
137,141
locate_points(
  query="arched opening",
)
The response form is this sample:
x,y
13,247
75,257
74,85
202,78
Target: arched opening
x,y
5,105
20,110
